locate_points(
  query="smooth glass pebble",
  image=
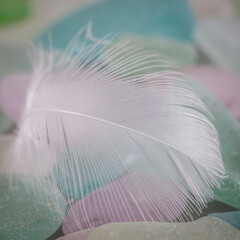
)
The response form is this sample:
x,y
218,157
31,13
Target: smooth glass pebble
x,y
29,213
232,218
205,228
169,18
219,39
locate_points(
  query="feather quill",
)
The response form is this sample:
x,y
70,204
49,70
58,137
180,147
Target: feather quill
x,y
103,121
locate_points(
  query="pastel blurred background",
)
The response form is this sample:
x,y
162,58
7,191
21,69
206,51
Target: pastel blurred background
x,y
200,37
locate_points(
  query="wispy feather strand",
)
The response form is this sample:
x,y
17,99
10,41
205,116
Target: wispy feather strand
x,y
105,120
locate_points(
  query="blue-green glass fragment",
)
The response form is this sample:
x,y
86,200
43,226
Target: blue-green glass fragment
x,y
169,18
27,212
232,218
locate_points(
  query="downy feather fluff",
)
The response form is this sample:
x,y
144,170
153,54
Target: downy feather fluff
x,y
103,121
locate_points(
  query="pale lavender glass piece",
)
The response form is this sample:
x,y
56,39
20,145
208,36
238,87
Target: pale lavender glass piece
x,y
13,91
115,203
223,84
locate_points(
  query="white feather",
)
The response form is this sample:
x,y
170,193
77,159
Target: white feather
x,y
103,120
